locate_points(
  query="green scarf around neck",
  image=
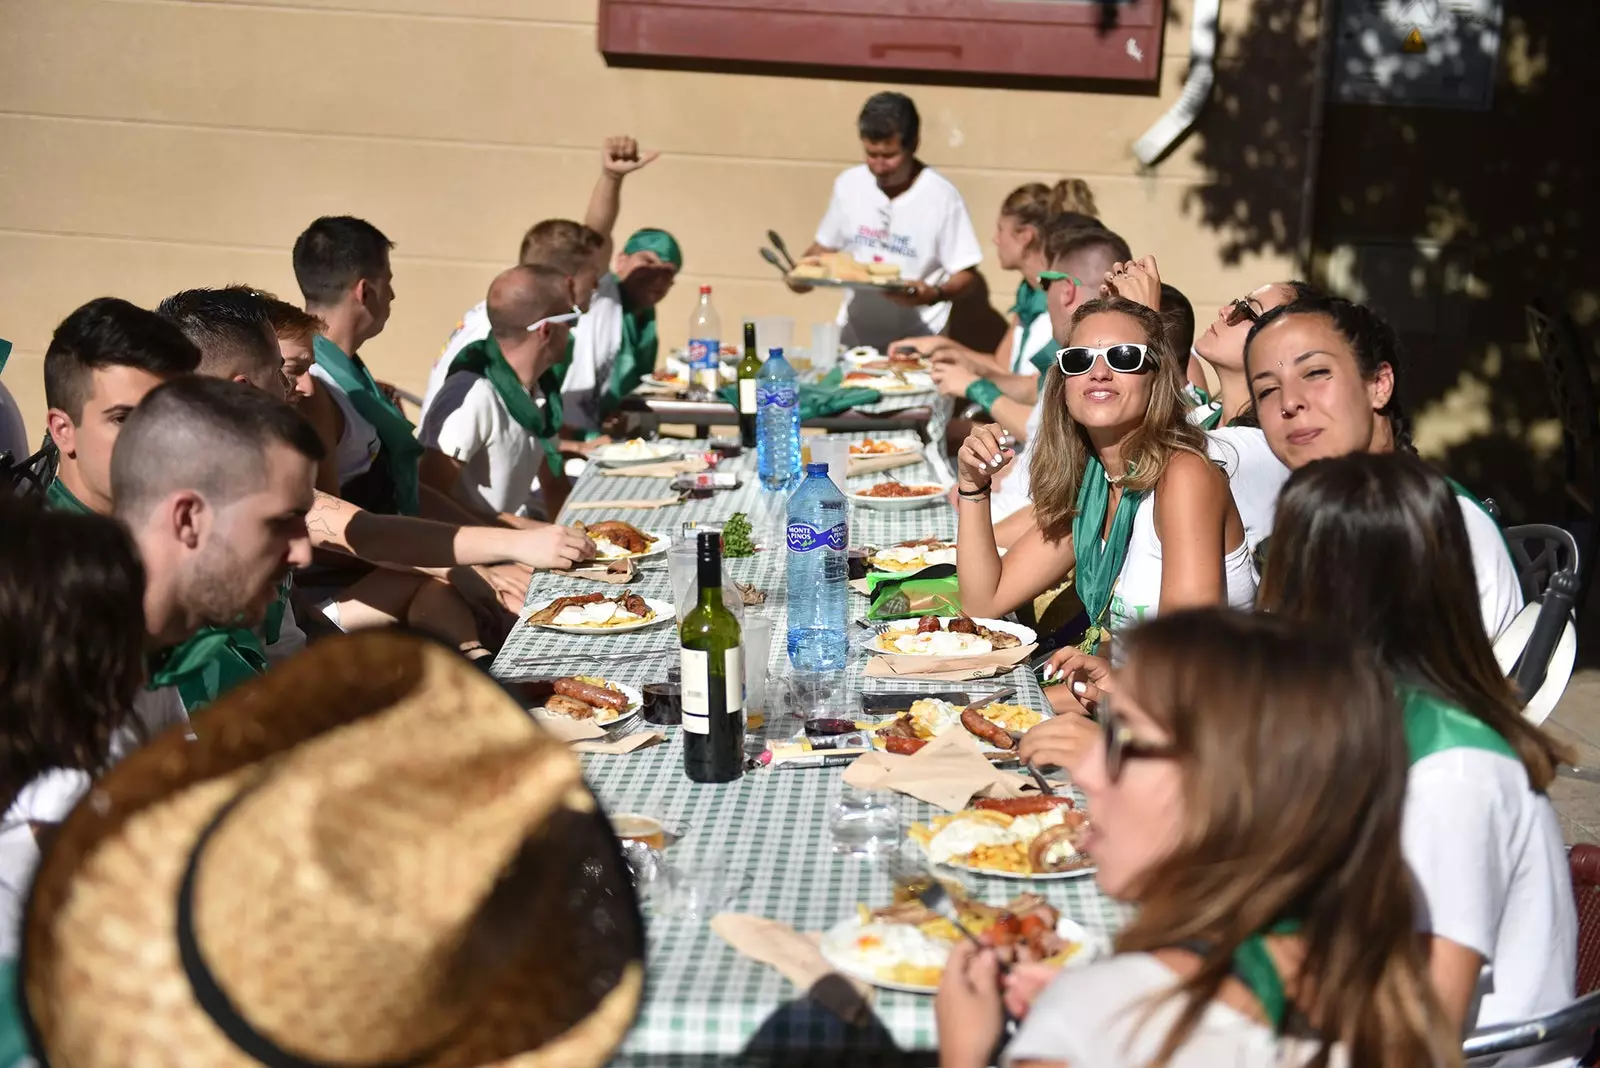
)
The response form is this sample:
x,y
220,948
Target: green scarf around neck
x,y
58,497
1032,303
544,423
1099,562
1434,724
402,451
207,664
636,354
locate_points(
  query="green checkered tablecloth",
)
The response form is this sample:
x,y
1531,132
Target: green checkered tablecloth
x,y
705,1002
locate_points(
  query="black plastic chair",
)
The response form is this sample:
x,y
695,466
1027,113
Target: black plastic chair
x,y
1538,649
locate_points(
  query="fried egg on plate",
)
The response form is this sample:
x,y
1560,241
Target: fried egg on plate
x,y
936,643
593,615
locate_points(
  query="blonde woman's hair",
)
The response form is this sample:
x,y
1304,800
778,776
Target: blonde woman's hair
x,y
1293,784
1063,449
1036,204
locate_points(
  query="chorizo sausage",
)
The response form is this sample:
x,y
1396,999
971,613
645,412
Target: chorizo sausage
x,y
1023,806
590,694
992,733
904,746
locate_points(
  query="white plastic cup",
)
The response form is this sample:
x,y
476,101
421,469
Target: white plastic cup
x,y
824,347
833,450
757,653
774,332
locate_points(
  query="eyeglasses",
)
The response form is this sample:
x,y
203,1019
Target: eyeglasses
x,y
1050,278
1122,745
1126,358
1240,310
557,320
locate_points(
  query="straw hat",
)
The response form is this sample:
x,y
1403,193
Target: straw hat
x,y
370,856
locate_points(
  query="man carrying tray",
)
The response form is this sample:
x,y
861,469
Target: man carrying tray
x,y
894,211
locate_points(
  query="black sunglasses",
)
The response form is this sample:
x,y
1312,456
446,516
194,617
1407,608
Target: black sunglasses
x,y
1240,310
1122,745
1125,358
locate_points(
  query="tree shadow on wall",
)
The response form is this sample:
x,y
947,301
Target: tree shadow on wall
x,y
1447,221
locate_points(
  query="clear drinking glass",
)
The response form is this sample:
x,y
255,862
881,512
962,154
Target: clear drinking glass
x,y
681,567
757,654
824,347
833,450
864,823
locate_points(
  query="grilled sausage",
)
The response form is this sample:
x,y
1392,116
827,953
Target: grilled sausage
x,y
992,733
903,746
589,694
1023,806
928,625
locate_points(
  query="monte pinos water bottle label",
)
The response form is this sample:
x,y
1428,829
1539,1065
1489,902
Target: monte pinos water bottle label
x,y
803,537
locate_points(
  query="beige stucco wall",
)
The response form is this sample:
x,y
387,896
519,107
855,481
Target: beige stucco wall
x,y
152,145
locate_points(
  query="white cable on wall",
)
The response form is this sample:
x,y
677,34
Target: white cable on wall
x,y
1196,88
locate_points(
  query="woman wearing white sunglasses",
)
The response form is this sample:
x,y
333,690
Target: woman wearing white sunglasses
x,y
1122,488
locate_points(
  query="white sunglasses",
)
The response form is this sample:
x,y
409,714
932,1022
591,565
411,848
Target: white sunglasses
x,y
557,320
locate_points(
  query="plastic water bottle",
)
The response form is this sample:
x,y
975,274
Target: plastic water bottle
x,y
778,423
705,343
819,566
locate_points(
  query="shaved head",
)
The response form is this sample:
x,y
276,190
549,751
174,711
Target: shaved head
x,y
521,296
207,435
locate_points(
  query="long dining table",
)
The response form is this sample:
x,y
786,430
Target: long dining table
x,y
767,831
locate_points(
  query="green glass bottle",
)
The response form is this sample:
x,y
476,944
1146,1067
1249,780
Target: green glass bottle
x,y
749,371
711,668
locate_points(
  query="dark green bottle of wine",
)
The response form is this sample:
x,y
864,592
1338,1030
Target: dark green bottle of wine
x,y
749,371
712,672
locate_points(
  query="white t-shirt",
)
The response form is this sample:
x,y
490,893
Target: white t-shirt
x,y
1255,476
1487,854
1012,491
925,230
47,799
1100,1015
474,326
1136,594
1498,589
596,340
470,423
358,444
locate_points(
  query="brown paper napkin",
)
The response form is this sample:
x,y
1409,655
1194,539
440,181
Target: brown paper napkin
x,y
948,668
866,465
689,465
627,744
615,572
797,958
949,772
586,736
622,506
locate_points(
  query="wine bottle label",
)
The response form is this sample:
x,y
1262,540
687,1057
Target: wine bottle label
x,y
694,672
747,396
733,663
803,537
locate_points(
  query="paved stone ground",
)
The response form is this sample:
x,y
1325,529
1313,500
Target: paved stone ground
x,y
1576,721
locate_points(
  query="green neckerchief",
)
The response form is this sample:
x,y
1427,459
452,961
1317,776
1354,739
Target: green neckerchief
x,y
208,664
58,498
1434,724
402,451
636,354
1253,966
5,352
13,1038
1043,360
826,397
1099,562
1212,421
544,423
1031,303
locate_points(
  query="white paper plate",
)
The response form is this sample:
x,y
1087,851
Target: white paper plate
x,y
838,949
635,703
664,611
662,543
1027,635
897,504
991,873
872,561
652,452
862,354
900,449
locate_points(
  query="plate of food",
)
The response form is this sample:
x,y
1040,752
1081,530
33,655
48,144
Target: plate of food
x,y
950,636
616,540
906,362
905,945
593,613
894,496
869,447
842,270
1034,837
996,726
862,354
663,382
605,703
635,451
914,555
895,383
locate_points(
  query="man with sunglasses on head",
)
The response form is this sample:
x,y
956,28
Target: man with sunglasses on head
x,y
491,429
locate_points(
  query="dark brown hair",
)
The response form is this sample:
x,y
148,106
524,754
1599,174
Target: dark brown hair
x,y
1294,779
110,332
1064,449
71,640
1374,545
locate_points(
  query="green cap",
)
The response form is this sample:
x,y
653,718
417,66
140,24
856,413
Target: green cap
x,y
660,242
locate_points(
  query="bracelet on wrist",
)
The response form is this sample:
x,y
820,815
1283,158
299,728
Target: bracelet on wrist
x,y
973,495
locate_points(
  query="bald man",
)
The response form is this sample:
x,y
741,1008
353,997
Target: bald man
x,y
491,430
